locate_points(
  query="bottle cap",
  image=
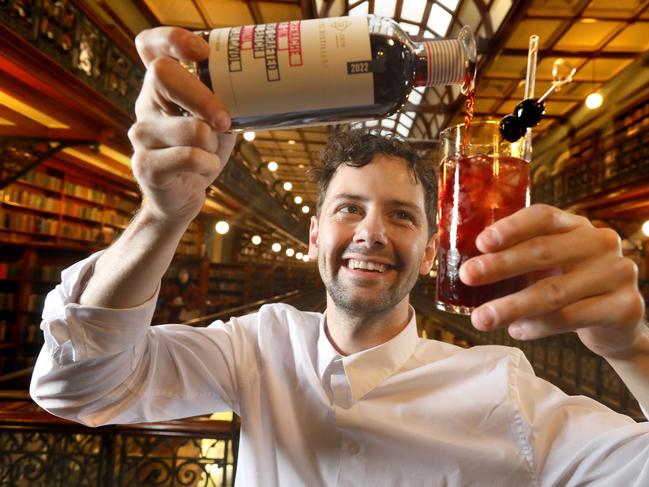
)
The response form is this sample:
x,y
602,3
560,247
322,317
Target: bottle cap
x,y
451,61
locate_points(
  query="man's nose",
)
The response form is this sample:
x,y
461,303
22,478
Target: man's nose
x,y
371,231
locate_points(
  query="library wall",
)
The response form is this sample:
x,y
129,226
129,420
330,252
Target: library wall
x,y
60,213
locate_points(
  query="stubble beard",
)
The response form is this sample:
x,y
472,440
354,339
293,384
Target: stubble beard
x,y
372,302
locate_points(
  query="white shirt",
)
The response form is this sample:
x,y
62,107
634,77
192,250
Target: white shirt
x,y
407,412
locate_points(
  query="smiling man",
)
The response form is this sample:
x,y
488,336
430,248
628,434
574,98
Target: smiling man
x,y
352,396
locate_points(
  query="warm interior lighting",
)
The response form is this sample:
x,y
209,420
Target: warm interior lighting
x,y
272,166
115,155
276,247
249,136
645,228
222,227
30,112
298,200
256,239
305,209
288,186
594,100
290,252
299,256
305,258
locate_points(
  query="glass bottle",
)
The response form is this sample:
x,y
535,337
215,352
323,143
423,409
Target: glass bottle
x,y
327,70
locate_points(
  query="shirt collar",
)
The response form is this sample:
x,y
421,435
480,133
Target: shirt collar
x,y
367,369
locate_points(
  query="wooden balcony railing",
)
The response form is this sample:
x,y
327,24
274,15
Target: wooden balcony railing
x,y
602,165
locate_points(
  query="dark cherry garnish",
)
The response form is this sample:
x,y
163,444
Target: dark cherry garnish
x,y
511,128
530,112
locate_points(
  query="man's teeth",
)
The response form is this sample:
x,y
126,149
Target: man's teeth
x,y
370,266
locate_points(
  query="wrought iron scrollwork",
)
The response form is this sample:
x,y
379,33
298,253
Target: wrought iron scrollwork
x,y
48,455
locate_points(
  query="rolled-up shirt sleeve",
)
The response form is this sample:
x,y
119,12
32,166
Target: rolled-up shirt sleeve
x,y
101,366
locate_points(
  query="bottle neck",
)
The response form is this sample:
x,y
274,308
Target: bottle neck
x,y
440,62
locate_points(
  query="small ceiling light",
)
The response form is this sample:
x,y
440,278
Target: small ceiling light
x,y
645,228
594,100
298,200
249,136
276,247
305,258
288,186
256,239
299,256
222,227
305,209
272,166
291,142
290,252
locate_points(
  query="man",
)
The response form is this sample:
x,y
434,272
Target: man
x,y
353,397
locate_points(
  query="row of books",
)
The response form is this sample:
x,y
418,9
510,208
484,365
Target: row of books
x,y
111,217
8,301
49,273
121,203
75,209
28,198
187,249
34,302
10,270
39,202
217,273
84,192
79,232
42,179
23,222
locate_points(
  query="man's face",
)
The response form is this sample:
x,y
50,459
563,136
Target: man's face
x,y
371,237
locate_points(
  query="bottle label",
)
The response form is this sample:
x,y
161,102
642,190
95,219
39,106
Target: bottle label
x,y
292,66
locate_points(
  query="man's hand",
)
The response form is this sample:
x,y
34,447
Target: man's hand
x,y
579,281
176,157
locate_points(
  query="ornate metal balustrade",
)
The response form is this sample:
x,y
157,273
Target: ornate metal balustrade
x,y
561,359
66,34
612,162
39,450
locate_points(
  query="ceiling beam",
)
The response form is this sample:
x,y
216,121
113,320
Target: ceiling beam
x,y
144,9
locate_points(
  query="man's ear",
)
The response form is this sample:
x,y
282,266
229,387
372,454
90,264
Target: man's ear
x,y
429,255
313,238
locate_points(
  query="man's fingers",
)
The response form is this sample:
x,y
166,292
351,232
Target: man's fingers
x,y
527,223
555,293
167,86
541,253
172,42
159,167
598,314
173,131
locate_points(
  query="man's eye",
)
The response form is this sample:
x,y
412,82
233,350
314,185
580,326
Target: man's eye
x,y
349,209
404,215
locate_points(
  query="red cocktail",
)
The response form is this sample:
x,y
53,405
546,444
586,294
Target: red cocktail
x,y
479,182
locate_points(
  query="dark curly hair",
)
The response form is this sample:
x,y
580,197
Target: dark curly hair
x,y
357,147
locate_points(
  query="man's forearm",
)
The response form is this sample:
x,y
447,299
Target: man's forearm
x,y
128,273
634,370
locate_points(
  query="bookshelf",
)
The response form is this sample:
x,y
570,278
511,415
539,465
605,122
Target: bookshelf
x,y
59,205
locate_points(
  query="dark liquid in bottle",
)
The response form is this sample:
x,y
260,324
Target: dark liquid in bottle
x,y
395,68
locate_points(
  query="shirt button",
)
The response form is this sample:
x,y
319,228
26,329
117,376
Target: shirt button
x,y
353,448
